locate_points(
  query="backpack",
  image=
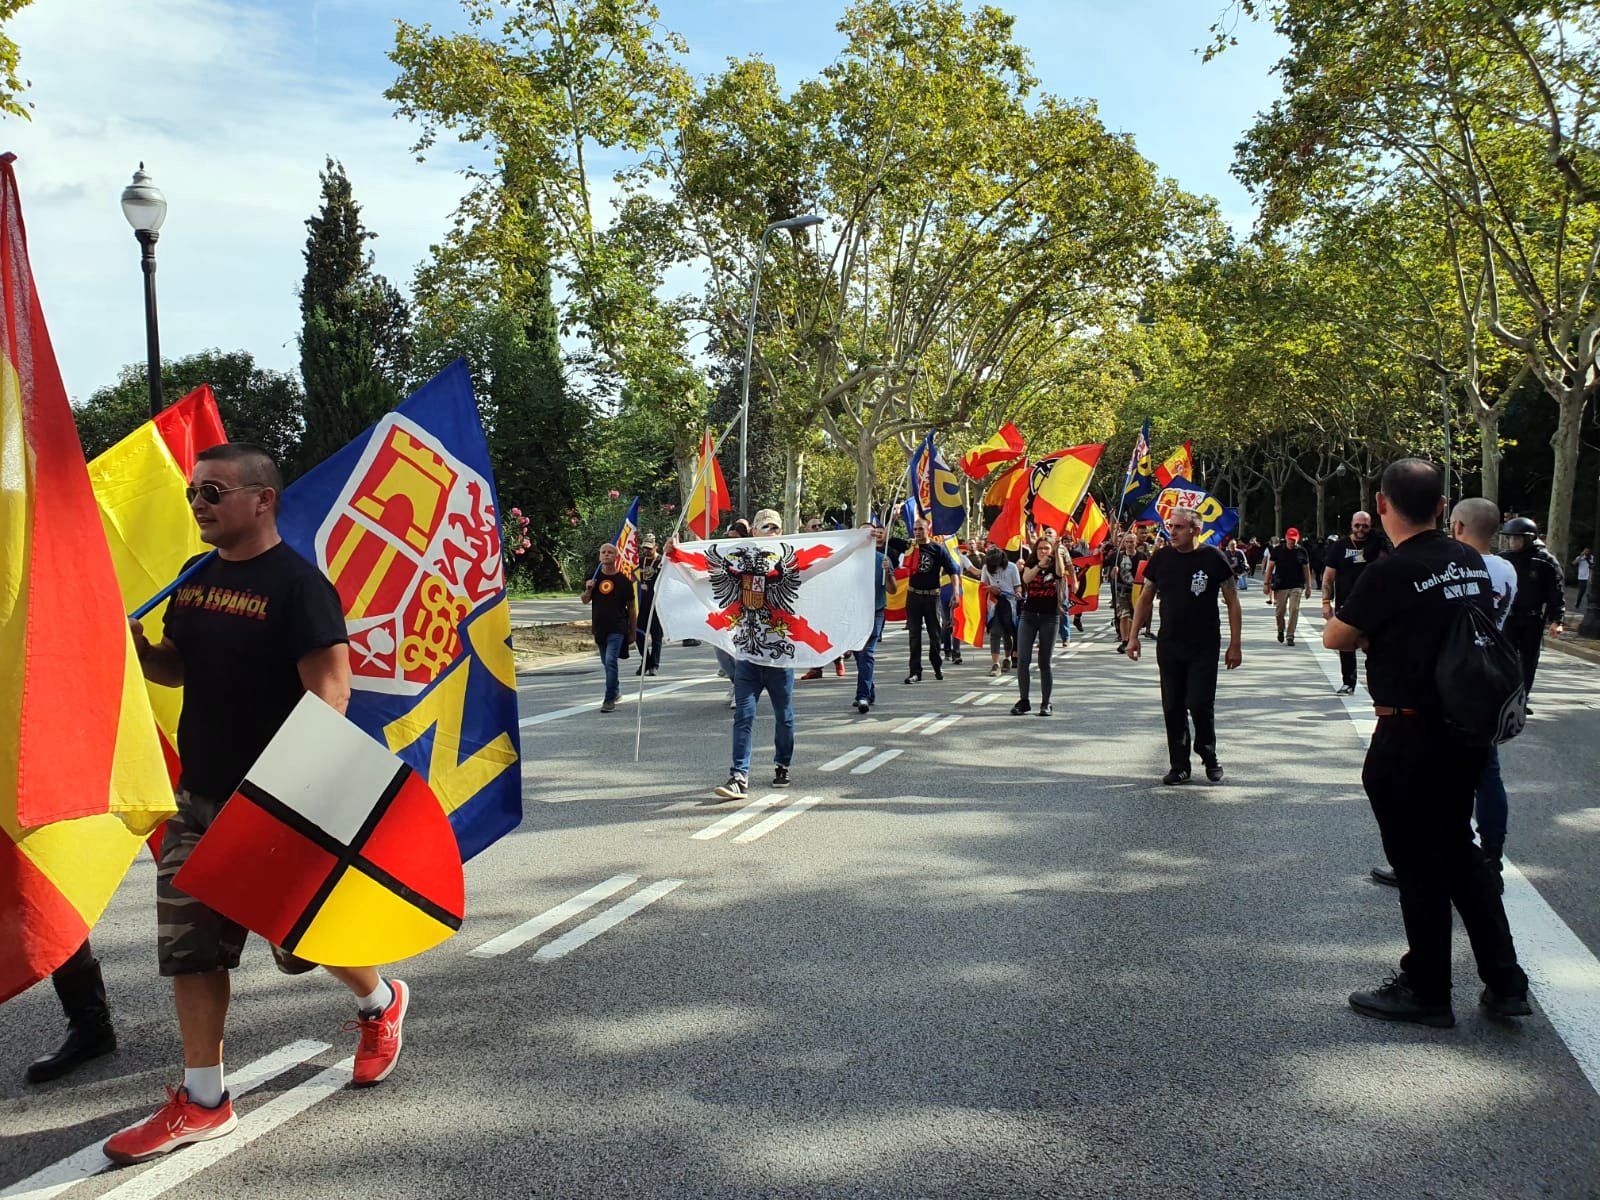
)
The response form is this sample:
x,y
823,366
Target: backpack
x,y
1479,677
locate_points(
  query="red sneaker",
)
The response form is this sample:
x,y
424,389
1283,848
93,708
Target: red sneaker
x,y
177,1123
380,1038
838,667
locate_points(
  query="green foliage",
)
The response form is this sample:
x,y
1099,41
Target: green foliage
x,y
256,405
12,85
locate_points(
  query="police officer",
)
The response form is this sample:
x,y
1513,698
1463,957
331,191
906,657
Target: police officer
x,y
1541,599
1419,779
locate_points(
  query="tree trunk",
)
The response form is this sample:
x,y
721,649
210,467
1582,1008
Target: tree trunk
x,y
1277,511
794,469
1322,509
1366,493
863,460
1565,442
1489,437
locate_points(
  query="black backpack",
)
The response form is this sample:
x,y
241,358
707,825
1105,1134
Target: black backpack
x,y
1479,677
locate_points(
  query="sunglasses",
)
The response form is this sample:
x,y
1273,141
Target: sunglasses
x,y
212,494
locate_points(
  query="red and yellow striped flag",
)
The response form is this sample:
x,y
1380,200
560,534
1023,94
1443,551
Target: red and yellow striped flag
x,y
1092,524
709,498
1179,463
81,774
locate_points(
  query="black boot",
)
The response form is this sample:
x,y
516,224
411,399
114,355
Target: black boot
x,y
82,991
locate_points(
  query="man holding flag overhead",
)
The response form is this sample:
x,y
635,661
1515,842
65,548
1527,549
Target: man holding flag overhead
x,y
247,635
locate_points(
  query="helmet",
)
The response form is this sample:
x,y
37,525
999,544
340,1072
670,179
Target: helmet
x,y
1520,527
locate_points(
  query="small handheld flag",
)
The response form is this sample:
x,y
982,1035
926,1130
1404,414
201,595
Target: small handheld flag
x,y
709,497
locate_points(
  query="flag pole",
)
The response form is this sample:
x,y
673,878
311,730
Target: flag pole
x,y
144,608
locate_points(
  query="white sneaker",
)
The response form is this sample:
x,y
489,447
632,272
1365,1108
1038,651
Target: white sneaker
x,y
730,698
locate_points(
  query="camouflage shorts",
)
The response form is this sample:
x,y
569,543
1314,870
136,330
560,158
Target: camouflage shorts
x,y
191,938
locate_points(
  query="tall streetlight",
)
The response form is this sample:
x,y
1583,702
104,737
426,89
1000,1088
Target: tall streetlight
x,y
804,222
145,207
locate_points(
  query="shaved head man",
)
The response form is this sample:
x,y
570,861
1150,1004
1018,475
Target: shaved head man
x,y
1347,558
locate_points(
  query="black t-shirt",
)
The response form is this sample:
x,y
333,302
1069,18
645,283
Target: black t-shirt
x,y
1402,604
1043,594
928,563
1187,585
1289,565
241,629
608,608
1348,560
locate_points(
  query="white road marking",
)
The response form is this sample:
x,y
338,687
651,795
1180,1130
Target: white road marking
x,y
550,918
1565,974
776,819
735,819
1003,680
876,761
991,698
967,697
58,1177
595,926
627,698
166,1174
908,726
941,725
845,759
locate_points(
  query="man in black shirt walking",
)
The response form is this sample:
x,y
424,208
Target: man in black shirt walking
x,y
1541,599
929,561
1418,778
1187,576
1288,577
1347,558
613,619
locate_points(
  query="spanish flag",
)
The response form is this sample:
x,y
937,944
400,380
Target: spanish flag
x,y
81,774
1092,524
709,498
894,608
1086,592
1007,498
967,614
1005,446
1178,464
138,484
1059,483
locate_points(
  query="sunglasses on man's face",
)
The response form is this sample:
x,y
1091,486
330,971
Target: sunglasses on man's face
x,y
212,494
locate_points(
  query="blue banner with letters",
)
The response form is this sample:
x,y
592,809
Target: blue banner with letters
x,y
405,522
936,489
1216,522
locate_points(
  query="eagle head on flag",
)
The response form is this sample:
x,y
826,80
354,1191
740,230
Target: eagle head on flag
x,y
761,599
405,523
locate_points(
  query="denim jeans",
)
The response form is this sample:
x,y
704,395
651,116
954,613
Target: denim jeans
x,y
749,681
609,653
1490,805
867,662
725,661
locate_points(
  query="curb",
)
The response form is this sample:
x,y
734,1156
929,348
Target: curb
x,y
1589,652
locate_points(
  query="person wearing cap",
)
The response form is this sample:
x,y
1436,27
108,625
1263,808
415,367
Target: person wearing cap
x,y
1288,578
750,679
650,623
1541,599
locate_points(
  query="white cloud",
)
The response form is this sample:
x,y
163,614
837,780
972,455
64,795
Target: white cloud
x,y
232,110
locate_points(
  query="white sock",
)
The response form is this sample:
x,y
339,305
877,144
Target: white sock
x,y
204,1084
377,1000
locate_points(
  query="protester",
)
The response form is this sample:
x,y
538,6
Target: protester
x,y
646,573
613,619
750,679
1043,592
929,562
766,526
1187,577
1419,779
1239,564
1347,559
867,656
1124,574
82,992
242,670
1004,582
1288,578
1541,594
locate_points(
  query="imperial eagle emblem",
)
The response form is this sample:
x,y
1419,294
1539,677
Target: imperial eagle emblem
x,y
759,588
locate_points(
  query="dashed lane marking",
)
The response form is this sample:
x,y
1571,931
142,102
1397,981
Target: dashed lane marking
x,y
967,697
552,917
941,725
876,761
613,916
627,698
91,1160
778,818
908,726
991,698
735,819
845,759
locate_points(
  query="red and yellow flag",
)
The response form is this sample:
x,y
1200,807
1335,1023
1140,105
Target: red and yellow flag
x,y
1059,483
709,497
81,774
1086,591
1092,524
894,607
1005,446
138,484
1009,494
1179,463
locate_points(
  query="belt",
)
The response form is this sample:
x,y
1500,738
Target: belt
x,y
924,591
1384,710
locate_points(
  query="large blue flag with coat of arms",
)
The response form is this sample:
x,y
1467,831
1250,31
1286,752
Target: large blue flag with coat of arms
x,y
1216,522
405,522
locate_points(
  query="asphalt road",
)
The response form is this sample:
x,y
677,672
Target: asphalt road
x,y
1003,961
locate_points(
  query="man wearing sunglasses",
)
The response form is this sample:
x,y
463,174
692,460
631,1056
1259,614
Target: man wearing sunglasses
x,y
245,637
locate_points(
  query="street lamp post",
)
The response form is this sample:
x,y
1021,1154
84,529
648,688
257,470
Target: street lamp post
x,y
146,208
804,222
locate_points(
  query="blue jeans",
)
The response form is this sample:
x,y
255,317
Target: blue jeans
x,y
1490,807
749,681
725,662
609,653
867,662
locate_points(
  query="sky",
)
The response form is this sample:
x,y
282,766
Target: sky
x,y
233,106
